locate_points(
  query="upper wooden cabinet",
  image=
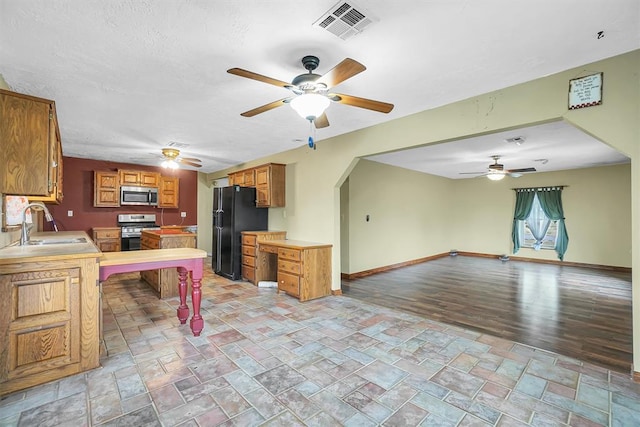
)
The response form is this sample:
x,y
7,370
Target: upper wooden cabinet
x,y
169,192
106,189
270,186
30,147
268,180
139,178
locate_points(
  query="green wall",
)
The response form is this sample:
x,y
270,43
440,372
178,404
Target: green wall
x,y
415,215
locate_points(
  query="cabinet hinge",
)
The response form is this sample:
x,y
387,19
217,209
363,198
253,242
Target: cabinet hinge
x,y
50,115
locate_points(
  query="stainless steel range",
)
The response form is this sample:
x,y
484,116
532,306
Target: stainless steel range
x,y
131,226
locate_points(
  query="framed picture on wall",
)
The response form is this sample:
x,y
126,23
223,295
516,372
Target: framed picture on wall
x,y
585,91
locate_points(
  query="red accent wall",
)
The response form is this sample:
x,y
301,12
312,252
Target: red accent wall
x,y
78,197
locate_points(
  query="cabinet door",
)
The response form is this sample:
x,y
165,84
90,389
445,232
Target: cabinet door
x,y
150,179
55,166
106,190
24,137
43,330
237,179
169,192
129,177
249,178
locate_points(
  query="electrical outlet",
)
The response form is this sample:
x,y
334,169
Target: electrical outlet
x,y
69,213
183,214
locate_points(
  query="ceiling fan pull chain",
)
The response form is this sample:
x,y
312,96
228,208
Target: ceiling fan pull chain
x,y
312,134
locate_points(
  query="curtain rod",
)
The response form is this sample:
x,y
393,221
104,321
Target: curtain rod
x,y
541,188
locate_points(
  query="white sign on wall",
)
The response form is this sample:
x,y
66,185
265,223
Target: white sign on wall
x,y
585,91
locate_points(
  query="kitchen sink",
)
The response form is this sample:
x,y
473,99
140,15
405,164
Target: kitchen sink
x,y
56,241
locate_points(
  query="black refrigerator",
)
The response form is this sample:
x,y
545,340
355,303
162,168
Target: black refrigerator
x,y
234,210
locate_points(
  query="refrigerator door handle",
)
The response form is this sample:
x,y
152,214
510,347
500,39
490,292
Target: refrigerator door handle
x,y
219,219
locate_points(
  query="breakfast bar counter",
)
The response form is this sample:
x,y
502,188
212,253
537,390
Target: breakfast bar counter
x,y
187,261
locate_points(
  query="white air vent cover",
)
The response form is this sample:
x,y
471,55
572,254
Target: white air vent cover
x,y
175,144
344,20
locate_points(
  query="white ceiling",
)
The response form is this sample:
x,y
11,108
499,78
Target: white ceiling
x,y
131,76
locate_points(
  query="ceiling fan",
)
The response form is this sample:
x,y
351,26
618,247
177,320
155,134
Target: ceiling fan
x,y
172,159
311,95
496,171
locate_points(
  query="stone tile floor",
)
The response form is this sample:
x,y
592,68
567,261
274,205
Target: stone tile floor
x,y
266,359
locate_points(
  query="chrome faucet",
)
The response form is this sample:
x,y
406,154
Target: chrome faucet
x,y
24,236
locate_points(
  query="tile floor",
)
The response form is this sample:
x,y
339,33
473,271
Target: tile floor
x,y
266,359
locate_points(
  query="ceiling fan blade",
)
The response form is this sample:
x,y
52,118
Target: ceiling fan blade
x,y
354,101
521,170
321,121
341,72
472,173
192,159
186,162
266,107
259,77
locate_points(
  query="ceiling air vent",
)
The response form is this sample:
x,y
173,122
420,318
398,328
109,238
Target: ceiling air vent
x,y
344,20
175,144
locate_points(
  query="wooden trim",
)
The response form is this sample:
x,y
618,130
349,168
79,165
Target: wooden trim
x,y
337,292
365,273
635,376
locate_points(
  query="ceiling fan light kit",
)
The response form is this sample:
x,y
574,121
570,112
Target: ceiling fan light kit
x,y
172,159
169,164
495,176
310,105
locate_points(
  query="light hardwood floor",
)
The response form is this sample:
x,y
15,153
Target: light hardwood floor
x,y
578,312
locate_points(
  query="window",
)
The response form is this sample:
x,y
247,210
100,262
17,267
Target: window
x,y
538,224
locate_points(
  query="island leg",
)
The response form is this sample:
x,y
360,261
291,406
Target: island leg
x,y
197,323
183,308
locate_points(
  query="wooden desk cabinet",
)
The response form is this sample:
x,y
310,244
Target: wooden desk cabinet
x,y
258,266
165,281
303,268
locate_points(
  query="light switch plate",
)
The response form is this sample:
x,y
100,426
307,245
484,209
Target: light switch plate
x,y
69,213
183,214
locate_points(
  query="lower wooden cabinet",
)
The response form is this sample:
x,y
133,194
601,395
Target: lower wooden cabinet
x,y
303,268
256,266
165,281
107,239
49,321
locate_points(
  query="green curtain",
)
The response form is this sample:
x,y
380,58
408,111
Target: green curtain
x,y
524,201
551,203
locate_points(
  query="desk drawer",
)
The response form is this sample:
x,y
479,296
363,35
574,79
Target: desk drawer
x,y
292,254
289,266
248,261
289,284
267,248
249,250
248,240
249,273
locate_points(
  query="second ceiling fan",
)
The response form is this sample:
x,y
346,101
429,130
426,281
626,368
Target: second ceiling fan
x,y
496,171
311,92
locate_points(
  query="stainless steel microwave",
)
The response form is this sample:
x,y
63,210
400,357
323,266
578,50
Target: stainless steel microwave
x,y
141,196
